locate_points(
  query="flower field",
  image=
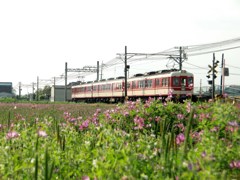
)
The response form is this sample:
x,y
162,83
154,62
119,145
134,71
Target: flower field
x,y
135,140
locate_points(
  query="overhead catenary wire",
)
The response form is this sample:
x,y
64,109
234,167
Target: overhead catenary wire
x,y
190,50
232,66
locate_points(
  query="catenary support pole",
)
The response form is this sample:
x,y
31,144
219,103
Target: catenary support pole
x,y
37,95
65,89
19,90
180,58
125,74
97,70
54,89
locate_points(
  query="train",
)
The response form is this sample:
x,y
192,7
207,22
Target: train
x,y
173,83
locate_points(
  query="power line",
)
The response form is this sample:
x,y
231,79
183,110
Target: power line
x,y
208,52
235,74
196,66
232,66
192,50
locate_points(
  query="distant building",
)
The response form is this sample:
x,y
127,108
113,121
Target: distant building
x,y
6,89
58,93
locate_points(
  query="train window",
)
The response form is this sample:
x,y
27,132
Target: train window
x,y
141,84
157,82
165,82
88,88
175,81
94,88
104,87
118,86
148,83
81,89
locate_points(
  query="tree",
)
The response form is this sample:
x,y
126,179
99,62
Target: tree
x,y
45,93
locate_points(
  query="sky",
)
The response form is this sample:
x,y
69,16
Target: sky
x,y
38,37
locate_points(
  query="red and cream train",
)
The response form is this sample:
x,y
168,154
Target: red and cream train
x,y
153,84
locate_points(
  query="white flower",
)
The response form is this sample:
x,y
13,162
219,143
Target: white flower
x,y
94,163
32,160
87,142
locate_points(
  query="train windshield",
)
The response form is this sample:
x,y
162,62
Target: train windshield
x,y
190,81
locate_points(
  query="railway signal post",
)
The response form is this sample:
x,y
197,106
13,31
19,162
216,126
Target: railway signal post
x,y
212,72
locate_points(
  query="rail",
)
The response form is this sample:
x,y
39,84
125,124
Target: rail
x,y
234,99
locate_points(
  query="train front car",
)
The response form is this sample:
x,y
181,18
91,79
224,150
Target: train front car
x,y
181,85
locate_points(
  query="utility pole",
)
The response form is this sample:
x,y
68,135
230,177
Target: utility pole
x,y
65,90
92,69
33,91
180,58
37,98
37,95
33,88
125,73
19,90
101,71
54,84
97,70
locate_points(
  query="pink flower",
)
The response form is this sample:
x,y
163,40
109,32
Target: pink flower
x,y
233,123
180,116
84,125
12,134
72,120
85,178
189,107
42,133
235,164
170,94
180,138
225,95
139,122
157,118
214,129
126,113
181,126
204,154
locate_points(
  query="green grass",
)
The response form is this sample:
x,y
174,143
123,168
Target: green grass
x,y
135,140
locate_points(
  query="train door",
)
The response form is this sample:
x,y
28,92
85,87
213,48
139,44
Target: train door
x,y
183,83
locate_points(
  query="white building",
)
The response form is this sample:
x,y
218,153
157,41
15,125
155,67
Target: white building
x,y
58,93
